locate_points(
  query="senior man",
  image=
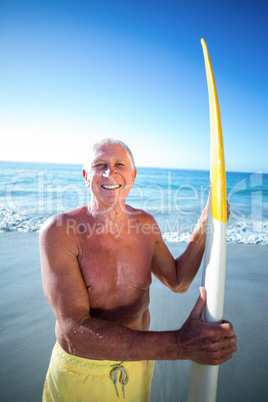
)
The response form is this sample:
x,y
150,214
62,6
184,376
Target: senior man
x,y
97,265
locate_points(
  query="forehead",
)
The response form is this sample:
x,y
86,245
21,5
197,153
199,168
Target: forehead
x,y
110,151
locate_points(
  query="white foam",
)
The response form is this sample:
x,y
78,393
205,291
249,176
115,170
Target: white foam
x,y
19,221
241,232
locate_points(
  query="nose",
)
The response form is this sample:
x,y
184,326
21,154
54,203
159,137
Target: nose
x,y
106,173
110,171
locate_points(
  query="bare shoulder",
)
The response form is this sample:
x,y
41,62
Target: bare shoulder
x,y
140,214
59,224
58,230
145,219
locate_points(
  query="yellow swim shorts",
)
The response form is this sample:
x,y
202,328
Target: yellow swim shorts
x,y
71,378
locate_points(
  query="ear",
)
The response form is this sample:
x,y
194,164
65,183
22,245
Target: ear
x,y
134,174
85,175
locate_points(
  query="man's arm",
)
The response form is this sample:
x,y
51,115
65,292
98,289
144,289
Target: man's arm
x,y
178,274
98,339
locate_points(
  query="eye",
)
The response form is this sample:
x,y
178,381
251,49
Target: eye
x,y
100,165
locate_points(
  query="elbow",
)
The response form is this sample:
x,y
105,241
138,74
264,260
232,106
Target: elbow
x,y
72,335
66,334
181,288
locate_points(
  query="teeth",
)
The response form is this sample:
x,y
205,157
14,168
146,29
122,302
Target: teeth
x,y
111,187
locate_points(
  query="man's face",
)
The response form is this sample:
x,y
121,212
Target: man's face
x,y
110,176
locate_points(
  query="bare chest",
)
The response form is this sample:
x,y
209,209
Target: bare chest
x,y
116,267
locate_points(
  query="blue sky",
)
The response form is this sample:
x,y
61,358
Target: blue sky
x,y
76,71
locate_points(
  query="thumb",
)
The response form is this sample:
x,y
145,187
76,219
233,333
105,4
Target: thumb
x,y
199,305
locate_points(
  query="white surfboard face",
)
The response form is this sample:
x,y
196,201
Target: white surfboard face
x,y
213,278
203,385
204,379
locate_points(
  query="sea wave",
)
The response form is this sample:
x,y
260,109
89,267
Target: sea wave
x,y
11,220
246,232
242,232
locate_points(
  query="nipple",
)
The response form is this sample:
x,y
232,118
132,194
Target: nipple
x,y
89,287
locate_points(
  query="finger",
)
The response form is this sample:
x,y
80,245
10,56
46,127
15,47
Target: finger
x,y
223,344
216,331
224,354
221,359
213,359
227,328
219,356
199,305
228,209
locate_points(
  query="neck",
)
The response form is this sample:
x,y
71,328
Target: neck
x,y
107,214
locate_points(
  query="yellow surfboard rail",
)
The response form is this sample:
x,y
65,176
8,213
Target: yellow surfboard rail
x,y
217,165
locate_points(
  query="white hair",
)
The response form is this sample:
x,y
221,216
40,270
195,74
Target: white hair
x,y
106,141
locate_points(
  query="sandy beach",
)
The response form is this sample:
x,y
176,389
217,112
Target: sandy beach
x,y
27,325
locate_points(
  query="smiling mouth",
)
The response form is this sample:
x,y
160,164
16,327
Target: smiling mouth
x,y
111,187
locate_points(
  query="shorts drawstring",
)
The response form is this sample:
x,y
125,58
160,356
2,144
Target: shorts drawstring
x,y
123,379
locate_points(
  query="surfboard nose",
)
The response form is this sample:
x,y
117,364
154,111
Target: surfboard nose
x,y
218,208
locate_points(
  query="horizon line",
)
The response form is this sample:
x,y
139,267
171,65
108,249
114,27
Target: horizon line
x,y
138,167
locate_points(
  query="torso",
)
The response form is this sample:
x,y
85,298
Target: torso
x,y
115,263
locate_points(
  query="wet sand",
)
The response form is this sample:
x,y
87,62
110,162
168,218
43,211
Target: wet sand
x,y
27,324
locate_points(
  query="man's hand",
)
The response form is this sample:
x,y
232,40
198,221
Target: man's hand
x,y
203,342
202,222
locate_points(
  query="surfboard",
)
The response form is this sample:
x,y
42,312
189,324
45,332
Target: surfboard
x,y
204,378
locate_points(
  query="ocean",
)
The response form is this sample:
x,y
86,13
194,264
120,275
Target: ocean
x,y
31,192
